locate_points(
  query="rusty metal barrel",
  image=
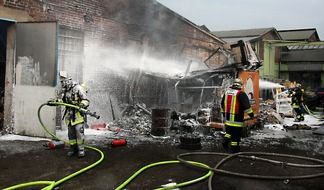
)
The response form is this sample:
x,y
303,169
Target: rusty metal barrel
x,y
161,122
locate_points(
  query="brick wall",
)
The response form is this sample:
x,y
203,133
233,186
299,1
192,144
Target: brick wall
x,y
16,4
121,34
113,23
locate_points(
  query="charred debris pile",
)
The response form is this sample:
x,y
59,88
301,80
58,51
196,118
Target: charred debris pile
x,y
138,121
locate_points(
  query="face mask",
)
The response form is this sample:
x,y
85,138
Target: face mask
x,y
66,83
63,83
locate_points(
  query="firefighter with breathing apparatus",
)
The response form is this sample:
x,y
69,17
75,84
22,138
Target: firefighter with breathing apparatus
x,y
234,103
75,94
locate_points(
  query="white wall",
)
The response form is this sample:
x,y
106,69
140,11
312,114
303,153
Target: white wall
x,y
27,101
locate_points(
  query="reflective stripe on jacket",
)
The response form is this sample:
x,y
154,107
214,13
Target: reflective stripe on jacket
x,y
234,103
76,96
74,121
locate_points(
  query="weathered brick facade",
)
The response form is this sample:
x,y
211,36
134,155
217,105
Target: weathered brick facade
x,y
125,34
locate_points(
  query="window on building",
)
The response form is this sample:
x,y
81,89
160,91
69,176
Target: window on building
x,y
70,52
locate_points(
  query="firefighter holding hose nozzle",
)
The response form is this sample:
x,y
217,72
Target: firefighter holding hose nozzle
x,y
234,103
75,94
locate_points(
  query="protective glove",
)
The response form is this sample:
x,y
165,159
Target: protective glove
x,y
82,106
251,115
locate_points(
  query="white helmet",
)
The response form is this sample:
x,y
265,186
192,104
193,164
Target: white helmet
x,y
237,83
66,80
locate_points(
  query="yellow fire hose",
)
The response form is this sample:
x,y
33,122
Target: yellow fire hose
x,y
311,113
168,162
52,184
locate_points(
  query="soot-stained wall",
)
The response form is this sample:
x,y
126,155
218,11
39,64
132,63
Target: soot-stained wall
x,y
122,41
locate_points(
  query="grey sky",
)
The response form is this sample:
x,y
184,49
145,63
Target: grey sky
x,y
220,15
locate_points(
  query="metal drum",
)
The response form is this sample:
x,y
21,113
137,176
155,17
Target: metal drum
x,y
161,122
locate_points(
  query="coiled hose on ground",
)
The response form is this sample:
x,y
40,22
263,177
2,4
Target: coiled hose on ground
x,y
210,174
251,155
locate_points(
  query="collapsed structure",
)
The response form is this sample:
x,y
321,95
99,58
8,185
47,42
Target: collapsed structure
x,y
197,94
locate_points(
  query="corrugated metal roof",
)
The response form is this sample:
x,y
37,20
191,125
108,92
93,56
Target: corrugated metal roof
x,y
306,47
300,34
304,56
242,33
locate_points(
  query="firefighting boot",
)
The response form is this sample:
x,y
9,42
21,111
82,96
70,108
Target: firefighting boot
x,y
235,147
225,142
302,117
297,118
72,150
81,151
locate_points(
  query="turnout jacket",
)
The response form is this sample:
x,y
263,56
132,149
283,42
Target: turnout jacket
x,y
234,103
297,97
76,96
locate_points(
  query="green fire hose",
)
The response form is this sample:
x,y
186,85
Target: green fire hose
x,y
52,184
168,162
210,173
311,113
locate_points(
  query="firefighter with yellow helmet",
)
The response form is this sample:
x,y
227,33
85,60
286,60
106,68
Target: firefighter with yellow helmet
x,y
234,103
75,94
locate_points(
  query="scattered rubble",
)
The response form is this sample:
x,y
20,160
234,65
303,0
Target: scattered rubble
x,y
190,130
272,117
297,127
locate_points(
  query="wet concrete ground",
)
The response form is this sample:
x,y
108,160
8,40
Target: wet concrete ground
x,y
26,161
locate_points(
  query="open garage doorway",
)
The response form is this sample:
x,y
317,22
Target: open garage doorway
x,y
4,23
28,75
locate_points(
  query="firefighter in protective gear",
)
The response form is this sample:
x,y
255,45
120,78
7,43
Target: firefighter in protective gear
x,y
234,103
73,93
297,97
